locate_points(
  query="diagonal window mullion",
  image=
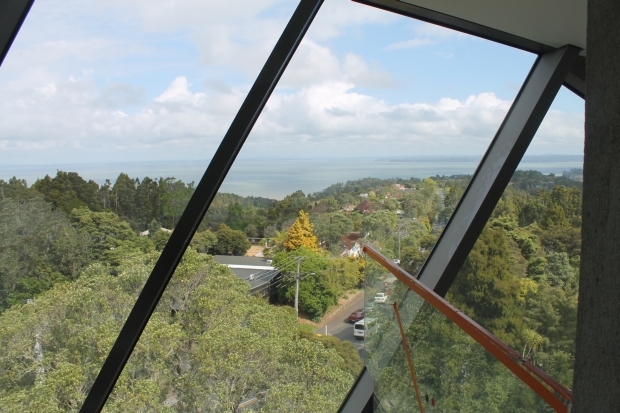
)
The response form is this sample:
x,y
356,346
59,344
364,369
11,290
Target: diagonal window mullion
x,y
199,203
497,167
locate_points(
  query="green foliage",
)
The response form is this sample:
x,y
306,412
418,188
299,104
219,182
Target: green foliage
x,y
562,239
38,248
380,224
204,241
17,190
305,329
230,241
487,290
206,348
450,367
175,196
520,282
315,296
160,239
289,207
327,278
67,190
330,228
559,271
351,361
109,235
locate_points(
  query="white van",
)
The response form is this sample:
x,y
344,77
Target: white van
x,y
365,328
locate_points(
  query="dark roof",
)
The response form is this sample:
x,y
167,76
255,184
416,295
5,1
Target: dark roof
x,y
260,276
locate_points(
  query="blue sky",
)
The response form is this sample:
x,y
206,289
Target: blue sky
x,y
116,81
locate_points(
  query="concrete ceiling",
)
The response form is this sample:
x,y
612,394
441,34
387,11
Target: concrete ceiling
x,y
553,23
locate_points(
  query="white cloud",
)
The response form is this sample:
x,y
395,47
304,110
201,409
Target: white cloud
x,y
79,85
178,92
314,63
409,44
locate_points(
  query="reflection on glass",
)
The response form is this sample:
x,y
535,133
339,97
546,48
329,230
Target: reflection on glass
x,y
453,372
405,219
520,281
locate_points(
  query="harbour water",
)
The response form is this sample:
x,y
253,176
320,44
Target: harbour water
x,y
277,178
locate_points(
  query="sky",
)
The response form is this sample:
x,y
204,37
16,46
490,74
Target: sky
x,y
160,80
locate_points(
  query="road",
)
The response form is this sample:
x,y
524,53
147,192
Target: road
x,y
338,327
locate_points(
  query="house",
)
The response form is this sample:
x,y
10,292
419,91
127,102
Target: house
x,y
365,207
257,271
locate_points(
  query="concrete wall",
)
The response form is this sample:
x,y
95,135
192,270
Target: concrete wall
x,y
597,371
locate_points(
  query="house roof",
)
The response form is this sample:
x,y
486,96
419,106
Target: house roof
x,y
257,271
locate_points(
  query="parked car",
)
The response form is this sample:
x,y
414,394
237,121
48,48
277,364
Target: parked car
x,y
381,297
356,316
366,327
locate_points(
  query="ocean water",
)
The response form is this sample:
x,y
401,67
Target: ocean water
x,y
278,178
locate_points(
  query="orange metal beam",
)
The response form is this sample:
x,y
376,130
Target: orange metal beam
x,y
409,361
522,368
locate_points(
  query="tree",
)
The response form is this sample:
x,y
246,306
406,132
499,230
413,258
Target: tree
x,y
16,189
251,231
108,233
487,290
301,234
330,228
379,224
204,241
59,191
38,248
68,190
413,259
559,271
554,216
147,203
205,348
231,241
124,197
160,239
175,195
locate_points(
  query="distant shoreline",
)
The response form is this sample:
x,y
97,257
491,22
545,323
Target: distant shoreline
x,y
277,178
526,159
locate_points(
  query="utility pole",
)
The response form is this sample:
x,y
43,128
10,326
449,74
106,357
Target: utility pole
x,y
297,288
298,277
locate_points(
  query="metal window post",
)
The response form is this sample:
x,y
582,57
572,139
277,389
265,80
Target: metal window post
x,y
497,167
199,203
484,191
12,16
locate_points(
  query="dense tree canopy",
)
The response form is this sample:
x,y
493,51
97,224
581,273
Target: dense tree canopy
x,y
72,263
38,247
206,347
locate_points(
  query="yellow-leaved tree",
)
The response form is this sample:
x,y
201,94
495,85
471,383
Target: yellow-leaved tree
x,y
301,234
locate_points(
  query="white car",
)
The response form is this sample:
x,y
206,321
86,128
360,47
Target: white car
x,y
381,298
365,328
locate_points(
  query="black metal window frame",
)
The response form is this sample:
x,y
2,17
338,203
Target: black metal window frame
x,y
552,69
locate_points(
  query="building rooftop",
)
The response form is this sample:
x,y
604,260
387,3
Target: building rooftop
x,y
257,271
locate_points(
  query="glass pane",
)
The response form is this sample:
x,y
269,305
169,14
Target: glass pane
x,y
452,371
125,88
100,112
521,279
